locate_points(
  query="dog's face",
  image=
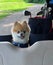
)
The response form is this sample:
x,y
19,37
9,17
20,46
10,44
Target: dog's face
x,y
20,31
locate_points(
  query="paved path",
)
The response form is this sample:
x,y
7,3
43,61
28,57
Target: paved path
x,y
6,23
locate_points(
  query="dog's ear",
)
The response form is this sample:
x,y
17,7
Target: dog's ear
x,y
16,23
24,23
26,26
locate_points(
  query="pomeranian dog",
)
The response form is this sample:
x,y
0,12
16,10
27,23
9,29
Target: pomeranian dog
x,y
20,34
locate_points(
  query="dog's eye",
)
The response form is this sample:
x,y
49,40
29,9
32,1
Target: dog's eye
x,y
18,32
24,31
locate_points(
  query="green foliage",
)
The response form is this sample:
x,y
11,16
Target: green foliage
x,y
29,1
35,1
38,1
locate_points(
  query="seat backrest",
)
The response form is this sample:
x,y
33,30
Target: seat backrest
x,y
5,38
48,55
40,37
37,54
40,25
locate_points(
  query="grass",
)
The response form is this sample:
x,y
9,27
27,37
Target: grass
x,y
13,5
11,0
7,8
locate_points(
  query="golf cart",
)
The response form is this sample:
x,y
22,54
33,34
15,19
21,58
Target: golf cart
x,y
41,26
41,40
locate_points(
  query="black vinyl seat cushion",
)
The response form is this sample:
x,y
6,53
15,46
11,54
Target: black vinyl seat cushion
x,y
40,29
40,37
40,25
6,38
33,38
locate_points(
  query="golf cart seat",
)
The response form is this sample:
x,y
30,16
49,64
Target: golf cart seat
x,y
41,29
40,53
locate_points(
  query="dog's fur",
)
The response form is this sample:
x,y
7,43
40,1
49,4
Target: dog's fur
x,y
20,32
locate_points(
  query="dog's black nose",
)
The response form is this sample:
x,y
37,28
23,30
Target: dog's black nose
x,y
21,34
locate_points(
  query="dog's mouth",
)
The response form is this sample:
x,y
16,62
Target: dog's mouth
x,y
22,37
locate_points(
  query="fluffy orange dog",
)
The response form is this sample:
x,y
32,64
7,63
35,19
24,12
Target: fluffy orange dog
x,y
20,33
